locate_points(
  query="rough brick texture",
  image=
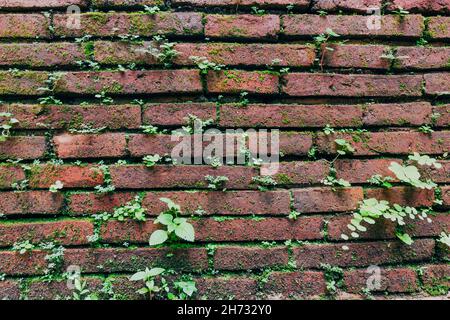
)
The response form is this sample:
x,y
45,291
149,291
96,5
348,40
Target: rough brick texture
x,y
84,99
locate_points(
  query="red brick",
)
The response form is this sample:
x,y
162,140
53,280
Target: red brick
x,y
180,176
403,196
141,144
113,24
402,142
439,27
30,263
242,26
88,203
222,203
126,3
32,202
437,83
40,4
284,285
392,280
234,54
357,56
296,172
425,6
129,82
58,290
236,287
23,147
34,116
9,175
240,81
441,175
24,26
436,275
314,200
385,229
363,254
233,3
422,58
9,290
347,5
235,230
443,113
350,25
44,176
65,232
290,116
446,196
108,52
415,113
132,260
27,83
40,54
248,258
342,85
359,171
295,143
105,145
173,114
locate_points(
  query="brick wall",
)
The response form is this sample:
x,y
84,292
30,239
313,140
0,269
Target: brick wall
x,y
64,84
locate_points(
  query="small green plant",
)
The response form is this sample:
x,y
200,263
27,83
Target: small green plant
x,y
7,121
322,44
379,180
258,11
81,292
151,10
150,130
107,186
86,129
422,42
23,246
216,182
204,65
264,182
58,185
165,51
445,239
293,215
148,277
328,130
243,101
20,185
401,13
425,129
131,210
151,160
410,175
50,100
104,99
425,160
343,147
195,124
334,182
185,289
176,227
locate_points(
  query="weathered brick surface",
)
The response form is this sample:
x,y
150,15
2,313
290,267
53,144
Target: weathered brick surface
x,y
297,284
437,83
172,114
312,200
30,202
22,83
23,147
237,258
351,5
392,280
40,4
9,175
442,6
71,176
239,81
24,26
439,27
232,3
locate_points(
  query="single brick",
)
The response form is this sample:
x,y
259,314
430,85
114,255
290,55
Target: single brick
x,y
351,25
446,197
287,285
142,144
130,82
36,116
425,6
27,83
23,147
105,145
289,116
142,24
176,114
443,115
312,200
43,176
357,56
9,175
133,260
363,254
238,287
31,202
57,290
221,203
437,83
347,5
295,143
399,280
41,54
40,4
211,230
24,26
89,203
420,58
439,27
342,85
405,196
179,176
402,142
240,81
359,171
242,26
299,172
248,258
66,232
400,114
436,275
9,290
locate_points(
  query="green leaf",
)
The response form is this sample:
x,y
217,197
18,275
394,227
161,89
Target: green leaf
x,y
405,238
170,204
165,219
138,276
155,272
158,237
185,231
